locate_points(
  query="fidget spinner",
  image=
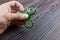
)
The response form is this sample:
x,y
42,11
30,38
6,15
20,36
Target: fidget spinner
x,y
30,11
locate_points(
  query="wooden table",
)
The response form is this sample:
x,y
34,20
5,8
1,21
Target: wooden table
x,y
47,22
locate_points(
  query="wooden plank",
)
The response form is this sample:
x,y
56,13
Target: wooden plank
x,y
46,22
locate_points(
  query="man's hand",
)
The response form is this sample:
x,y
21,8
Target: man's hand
x,y
7,14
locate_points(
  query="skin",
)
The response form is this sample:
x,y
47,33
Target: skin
x,y
8,15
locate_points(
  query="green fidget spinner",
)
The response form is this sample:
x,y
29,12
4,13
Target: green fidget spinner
x,y
30,11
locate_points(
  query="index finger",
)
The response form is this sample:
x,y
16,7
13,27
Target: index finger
x,y
17,4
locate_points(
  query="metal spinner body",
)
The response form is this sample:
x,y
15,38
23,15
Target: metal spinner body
x,y
30,11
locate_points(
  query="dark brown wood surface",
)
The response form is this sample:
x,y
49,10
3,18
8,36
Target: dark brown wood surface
x,y
46,18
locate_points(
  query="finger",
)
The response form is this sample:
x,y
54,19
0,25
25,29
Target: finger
x,y
13,11
17,22
13,16
17,4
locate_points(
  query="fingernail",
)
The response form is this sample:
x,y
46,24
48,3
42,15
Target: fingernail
x,y
25,16
22,9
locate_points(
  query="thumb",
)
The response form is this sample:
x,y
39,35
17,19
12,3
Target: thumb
x,y
13,16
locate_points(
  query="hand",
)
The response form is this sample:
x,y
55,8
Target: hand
x,y
7,14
